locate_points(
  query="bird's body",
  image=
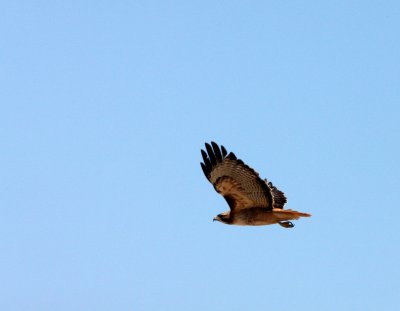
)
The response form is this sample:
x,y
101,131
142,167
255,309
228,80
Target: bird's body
x,y
252,201
262,216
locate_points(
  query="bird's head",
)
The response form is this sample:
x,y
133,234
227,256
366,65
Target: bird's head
x,y
223,217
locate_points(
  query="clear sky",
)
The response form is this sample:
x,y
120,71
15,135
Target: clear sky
x,y
104,108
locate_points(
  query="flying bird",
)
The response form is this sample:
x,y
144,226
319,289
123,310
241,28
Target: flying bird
x,y
252,201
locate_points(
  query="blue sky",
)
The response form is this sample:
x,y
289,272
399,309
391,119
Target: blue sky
x,y
105,106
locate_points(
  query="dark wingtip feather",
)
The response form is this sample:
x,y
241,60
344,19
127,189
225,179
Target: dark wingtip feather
x,y
203,167
211,154
204,155
232,156
206,160
224,152
217,152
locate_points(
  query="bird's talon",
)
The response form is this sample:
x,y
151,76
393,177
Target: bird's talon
x,y
286,224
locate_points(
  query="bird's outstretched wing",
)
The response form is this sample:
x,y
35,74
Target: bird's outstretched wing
x,y
239,184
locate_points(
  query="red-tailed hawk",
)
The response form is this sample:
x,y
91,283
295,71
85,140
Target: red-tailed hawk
x,y
252,201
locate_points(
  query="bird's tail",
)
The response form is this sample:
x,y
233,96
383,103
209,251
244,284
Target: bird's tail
x,y
288,214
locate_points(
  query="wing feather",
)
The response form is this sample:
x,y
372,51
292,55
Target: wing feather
x,y
224,152
217,152
231,156
211,154
278,197
207,162
240,185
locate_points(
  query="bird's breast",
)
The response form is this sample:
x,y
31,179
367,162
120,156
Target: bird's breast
x,y
253,217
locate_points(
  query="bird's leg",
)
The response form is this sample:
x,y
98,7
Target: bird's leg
x,y
286,224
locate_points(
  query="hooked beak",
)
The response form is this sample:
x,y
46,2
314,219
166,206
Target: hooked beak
x,y
215,219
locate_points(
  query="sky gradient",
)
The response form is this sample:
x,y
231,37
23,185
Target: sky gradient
x,y
104,107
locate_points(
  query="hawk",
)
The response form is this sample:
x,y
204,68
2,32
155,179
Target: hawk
x,y
252,201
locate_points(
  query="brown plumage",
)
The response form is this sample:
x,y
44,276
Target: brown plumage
x,y
252,201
